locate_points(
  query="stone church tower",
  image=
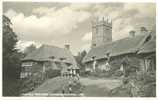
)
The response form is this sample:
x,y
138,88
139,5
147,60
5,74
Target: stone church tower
x,y
101,31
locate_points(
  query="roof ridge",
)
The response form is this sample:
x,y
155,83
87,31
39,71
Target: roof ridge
x,y
142,42
47,45
117,47
126,38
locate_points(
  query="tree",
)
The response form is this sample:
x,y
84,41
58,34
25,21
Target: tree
x,y
79,59
11,60
29,49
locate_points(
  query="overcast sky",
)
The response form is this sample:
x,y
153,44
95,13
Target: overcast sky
x,y
61,23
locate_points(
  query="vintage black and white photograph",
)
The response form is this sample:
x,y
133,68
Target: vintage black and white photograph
x,y
67,49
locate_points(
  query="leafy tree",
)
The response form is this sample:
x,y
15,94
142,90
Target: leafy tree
x,y
29,49
79,59
11,60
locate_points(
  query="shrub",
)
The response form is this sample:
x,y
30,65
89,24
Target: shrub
x,y
118,73
52,73
144,84
30,83
85,73
150,90
149,77
76,86
125,80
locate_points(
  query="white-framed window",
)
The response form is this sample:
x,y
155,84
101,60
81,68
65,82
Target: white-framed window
x,y
27,64
147,64
26,69
121,67
25,74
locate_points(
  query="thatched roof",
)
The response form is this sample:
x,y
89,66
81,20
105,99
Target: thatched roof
x,y
64,68
55,67
47,52
148,47
115,48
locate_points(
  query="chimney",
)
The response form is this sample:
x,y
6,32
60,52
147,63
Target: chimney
x,y
143,30
67,46
132,33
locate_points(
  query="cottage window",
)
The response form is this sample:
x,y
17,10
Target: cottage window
x,y
26,69
74,72
94,65
27,64
107,66
147,64
121,67
22,69
25,74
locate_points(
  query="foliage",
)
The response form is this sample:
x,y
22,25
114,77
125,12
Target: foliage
x,y
119,92
85,73
118,73
30,83
76,87
142,84
79,59
51,73
11,60
29,49
148,86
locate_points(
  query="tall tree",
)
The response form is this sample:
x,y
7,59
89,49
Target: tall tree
x,y
79,59
11,60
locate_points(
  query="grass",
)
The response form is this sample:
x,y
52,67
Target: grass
x,y
119,92
89,87
96,87
53,85
95,91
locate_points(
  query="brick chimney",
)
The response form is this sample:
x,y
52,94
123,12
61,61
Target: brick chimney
x,y
132,33
67,46
143,30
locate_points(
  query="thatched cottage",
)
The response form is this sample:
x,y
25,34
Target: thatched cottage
x,y
49,57
140,50
105,54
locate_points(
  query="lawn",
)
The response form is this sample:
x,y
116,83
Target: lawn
x,y
53,85
91,87
95,91
99,87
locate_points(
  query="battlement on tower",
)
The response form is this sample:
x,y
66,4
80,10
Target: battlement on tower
x,y
102,21
101,31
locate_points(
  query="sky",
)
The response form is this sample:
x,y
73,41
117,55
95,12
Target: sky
x,y
70,23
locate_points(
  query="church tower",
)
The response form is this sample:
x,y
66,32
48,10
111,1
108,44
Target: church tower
x,y
101,31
